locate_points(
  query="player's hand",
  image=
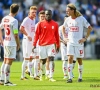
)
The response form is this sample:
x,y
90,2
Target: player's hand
x,y
29,38
57,49
1,42
33,48
18,47
81,41
66,40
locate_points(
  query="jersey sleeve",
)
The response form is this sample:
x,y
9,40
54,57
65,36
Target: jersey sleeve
x,y
15,27
85,23
57,36
60,31
24,22
37,31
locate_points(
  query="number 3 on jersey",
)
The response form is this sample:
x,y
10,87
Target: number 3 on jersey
x,y
7,29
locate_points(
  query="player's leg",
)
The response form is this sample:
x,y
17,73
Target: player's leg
x,y
42,57
26,59
64,59
74,61
80,54
70,53
43,67
9,55
47,69
51,54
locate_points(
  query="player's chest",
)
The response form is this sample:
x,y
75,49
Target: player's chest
x,y
73,23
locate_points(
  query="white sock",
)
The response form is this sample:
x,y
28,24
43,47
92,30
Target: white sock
x,y
51,65
74,65
7,72
40,71
70,68
35,67
80,70
32,62
47,72
2,71
29,65
24,64
64,67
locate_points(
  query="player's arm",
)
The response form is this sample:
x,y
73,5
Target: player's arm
x,y
64,42
63,31
22,30
17,41
89,29
37,34
15,31
1,37
57,39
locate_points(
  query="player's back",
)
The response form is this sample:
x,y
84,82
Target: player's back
x,y
9,24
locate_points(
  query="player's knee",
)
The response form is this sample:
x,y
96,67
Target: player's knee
x,y
51,58
44,61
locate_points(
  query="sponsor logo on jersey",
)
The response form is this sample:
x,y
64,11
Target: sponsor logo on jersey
x,y
52,27
45,27
74,29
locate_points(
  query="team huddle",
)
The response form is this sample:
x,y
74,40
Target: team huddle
x,y
41,42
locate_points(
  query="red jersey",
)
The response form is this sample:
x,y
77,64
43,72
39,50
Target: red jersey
x,y
47,33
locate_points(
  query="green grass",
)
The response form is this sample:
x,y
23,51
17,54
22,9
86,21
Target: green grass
x,y
91,77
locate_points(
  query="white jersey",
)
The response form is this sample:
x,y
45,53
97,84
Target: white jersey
x,y
60,32
76,27
9,24
29,26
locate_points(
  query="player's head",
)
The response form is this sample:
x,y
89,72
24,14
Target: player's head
x,y
32,11
14,8
48,15
41,15
71,10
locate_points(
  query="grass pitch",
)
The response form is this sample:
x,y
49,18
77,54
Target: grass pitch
x,y
91,78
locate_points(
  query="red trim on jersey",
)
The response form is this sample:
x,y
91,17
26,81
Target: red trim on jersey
x,y
47,33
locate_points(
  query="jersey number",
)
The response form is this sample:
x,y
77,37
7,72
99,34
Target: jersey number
x,y
7,29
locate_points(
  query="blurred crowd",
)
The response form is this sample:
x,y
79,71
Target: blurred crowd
x,y
89,8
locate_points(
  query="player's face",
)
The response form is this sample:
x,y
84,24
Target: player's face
x,y
69,12
48,15
42,17
32,13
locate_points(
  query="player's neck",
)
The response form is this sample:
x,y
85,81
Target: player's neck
x,y
11,15
73,16
31,17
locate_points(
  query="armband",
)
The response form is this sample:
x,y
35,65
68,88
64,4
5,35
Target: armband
x,y
15,31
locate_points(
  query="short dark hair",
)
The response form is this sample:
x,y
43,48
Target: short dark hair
x,y
14,8
48,11
41,12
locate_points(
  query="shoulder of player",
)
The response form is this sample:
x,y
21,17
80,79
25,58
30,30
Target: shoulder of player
x,y
60,27
54,22
26,19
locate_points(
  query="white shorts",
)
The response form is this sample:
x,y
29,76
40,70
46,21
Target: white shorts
x,y
77,51
10,52
45,51
27,48
36,51
63,52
